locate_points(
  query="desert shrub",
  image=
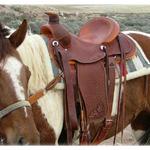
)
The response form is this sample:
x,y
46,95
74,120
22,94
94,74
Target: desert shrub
x,y
16,8
73,21
35,26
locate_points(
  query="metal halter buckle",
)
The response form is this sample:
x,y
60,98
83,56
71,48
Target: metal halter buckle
x,y
55,43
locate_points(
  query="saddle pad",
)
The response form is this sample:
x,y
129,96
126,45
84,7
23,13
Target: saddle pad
x,y
136,67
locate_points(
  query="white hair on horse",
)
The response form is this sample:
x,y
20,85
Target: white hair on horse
x,y
137,32
35,55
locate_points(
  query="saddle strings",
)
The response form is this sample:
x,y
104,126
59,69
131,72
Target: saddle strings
x,y
121,96
124,90
107,79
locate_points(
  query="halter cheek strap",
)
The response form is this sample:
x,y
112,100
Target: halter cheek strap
x,y
13,107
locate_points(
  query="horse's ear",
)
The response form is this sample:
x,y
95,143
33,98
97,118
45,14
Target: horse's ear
x,y
19,35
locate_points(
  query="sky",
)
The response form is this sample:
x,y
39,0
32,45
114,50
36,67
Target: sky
x,y
137,2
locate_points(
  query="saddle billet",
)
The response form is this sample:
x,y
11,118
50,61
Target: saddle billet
x,y
89,73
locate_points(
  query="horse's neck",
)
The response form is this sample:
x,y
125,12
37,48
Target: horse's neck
x,y
35,55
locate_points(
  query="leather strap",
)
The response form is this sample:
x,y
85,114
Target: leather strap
x,y
110,81
72,122
13,107
124,72
34,98
103,132
121,98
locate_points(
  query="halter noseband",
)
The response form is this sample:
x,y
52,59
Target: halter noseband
x,y
13,107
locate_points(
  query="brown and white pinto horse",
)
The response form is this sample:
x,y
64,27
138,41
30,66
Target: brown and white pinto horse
x,y
48,111
16,119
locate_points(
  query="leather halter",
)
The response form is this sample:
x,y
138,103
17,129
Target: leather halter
x,y
13,107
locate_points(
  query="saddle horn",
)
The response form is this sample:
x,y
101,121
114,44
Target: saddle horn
x,y
53,18
58,31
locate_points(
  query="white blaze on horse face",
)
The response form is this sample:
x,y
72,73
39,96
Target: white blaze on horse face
x,y
13,67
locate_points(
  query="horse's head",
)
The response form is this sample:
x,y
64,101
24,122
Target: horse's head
x,y
16,120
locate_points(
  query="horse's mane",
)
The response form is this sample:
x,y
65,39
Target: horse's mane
x,y
5,46
34,54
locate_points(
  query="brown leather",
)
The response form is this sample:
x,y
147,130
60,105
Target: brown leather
x,y
93,77
72,122
56,30
127,45
99,30
34,98
91,54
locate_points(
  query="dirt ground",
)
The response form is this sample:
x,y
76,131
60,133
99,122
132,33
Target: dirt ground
x,y
128,138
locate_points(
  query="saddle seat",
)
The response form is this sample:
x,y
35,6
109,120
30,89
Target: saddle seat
x,y
86,48
99,30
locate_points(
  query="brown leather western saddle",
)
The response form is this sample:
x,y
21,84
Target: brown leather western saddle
x,y
88,63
